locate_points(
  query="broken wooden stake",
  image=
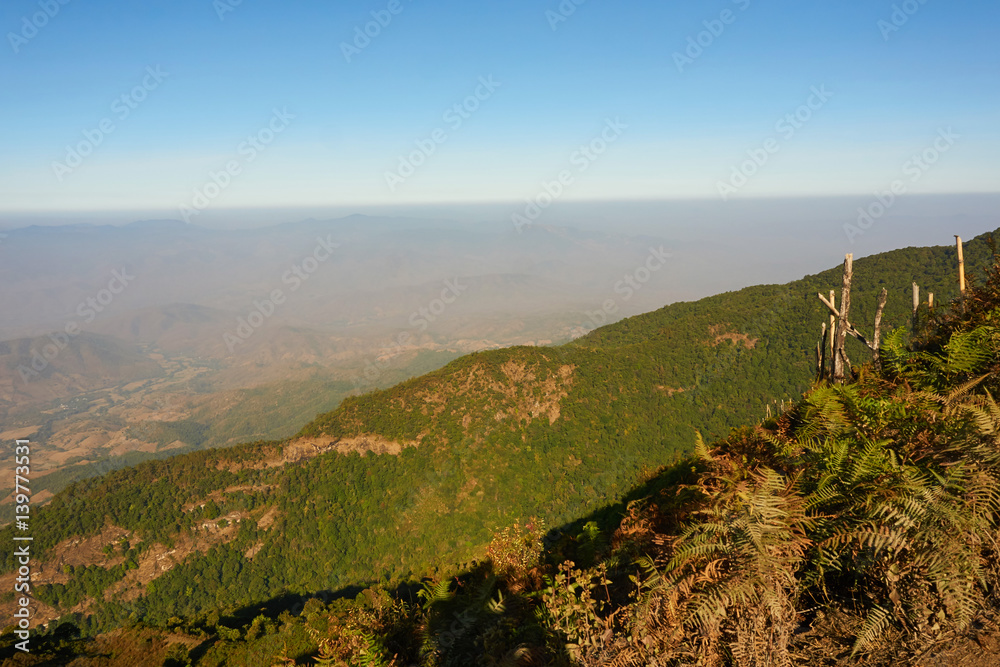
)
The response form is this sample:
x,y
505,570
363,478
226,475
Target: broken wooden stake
x,y
842,325
821,354
833,323
877,338
961,266
846,363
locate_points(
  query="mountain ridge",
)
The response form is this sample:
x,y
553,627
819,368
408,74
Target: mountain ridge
x,y
580,424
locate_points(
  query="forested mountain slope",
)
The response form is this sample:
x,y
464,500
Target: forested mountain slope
x,y
857,527
627,394
552,433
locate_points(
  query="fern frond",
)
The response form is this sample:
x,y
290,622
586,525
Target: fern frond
x,y
701,449
877,621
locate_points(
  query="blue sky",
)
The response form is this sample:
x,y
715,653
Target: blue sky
x,y
684,129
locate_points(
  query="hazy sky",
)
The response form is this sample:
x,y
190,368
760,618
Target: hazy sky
x,y
134,105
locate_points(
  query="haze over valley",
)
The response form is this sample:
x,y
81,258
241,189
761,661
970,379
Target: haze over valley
x,y
500,334
181,344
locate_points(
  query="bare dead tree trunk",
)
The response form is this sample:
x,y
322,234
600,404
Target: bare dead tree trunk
x,y
833,322
877,338
846,364
821,354
840,337
930,300
961,266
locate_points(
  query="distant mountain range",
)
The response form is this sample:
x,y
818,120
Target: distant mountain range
x,y
396,482
178,321
379,273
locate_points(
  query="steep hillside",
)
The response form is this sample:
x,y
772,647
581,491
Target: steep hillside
x,y
857,527
644,385
428,470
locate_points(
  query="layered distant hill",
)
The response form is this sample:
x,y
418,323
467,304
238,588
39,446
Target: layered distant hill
x,y
396,482
182,324
369,274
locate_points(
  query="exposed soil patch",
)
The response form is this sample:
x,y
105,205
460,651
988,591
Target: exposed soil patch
x,y
268,456
307,448
718,333
519,394
159,559
520,391
78,552
253,551
303,449
269,516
